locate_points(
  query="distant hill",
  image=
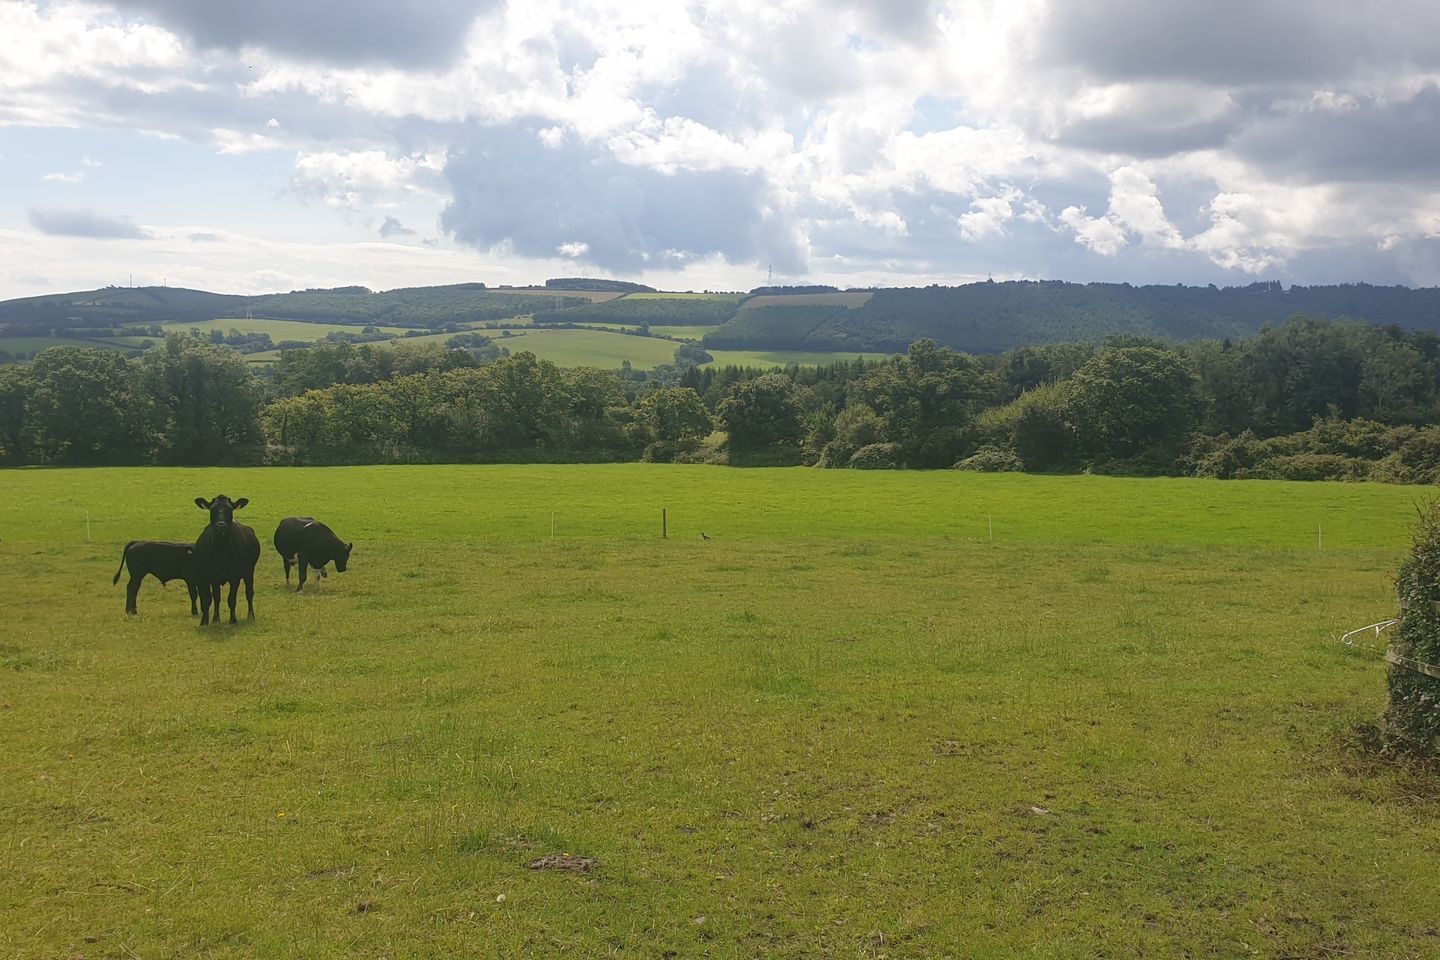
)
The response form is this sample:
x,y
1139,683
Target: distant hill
x,y
418,307
978,317
113,307
995,317
594,283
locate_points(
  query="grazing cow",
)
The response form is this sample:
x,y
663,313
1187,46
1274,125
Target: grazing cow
x,y
226,553
308,542
162,560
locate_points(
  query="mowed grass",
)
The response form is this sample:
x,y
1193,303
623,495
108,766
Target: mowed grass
x,y
849,724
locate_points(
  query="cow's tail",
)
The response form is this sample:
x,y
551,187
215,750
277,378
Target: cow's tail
x,y
123,554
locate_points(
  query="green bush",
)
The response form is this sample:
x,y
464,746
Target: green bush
x,y
1412,718
992,460
876,456
1309,466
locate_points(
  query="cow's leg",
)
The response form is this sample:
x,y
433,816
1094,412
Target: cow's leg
x,y
204,591
132,590
303,568
250,595
234,589
215,602
288,562
194,593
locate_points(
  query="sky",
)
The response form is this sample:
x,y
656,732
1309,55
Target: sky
x,y
716,144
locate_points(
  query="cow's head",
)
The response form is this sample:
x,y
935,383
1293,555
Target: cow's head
x,y
222,511
344,558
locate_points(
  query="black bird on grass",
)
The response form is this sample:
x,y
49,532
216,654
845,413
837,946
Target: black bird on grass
x,y
703,536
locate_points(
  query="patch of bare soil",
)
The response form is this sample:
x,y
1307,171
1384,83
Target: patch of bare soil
x,y
563,861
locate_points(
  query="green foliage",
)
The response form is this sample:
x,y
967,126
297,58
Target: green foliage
x,y
597,284
1412,718
206,402
877,456
645,311
518,407
675,415
85,406
992,460
329,364
1330,450
419,307
1036,426
925,401
1131,399
764,412
854,427
991,318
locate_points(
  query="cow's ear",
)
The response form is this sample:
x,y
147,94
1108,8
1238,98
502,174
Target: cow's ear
x,y
348,548
202,503
241,502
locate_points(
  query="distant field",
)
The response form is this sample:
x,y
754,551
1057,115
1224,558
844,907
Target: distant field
x,y
597,348
682,296
590,348
278,329
779,358
852,300
683,331
849,724
32,344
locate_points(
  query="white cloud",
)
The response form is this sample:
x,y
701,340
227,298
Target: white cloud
x,y
1134,206
61,176
885,137
1101,234
366,178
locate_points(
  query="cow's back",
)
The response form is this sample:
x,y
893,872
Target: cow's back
x,y
288,535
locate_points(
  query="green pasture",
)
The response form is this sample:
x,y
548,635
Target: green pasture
x,y
899,714
278,329
32,344
589,348
685,331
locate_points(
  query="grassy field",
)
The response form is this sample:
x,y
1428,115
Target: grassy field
x,y
32,344
278,329
849,724
591,348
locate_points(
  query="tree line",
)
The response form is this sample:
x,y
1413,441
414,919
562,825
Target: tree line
x,y
1305,399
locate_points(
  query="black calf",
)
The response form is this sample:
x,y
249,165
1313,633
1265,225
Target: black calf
x,y
163,560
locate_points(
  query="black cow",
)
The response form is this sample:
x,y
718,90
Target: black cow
x,y
308,542
226,552
163,560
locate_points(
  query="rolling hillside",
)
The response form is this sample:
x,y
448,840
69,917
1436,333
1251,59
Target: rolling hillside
x,y
978,318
